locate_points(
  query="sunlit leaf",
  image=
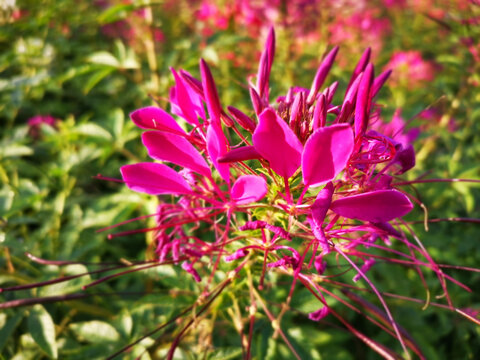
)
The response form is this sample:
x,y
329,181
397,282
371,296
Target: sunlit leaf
x,y
42,329
95,331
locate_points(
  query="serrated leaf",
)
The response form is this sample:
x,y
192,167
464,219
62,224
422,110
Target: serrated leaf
x,y
42,329
95,331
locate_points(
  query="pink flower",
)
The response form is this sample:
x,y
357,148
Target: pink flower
x,y
410,69
35,123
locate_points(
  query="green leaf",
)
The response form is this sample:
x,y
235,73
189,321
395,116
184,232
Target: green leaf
x,y
42,329
13,150
94,130
95,331
6,199
226,354
66,287
114,13
8,328
117,121
125,323
104,58
96,78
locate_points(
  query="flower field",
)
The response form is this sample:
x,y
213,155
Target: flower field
x,y
209,179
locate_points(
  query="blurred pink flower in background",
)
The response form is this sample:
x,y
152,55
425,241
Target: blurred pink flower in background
x,y
410,69
395,3
433,116
35,123
132,28
397,129
213,17
360,29
302,17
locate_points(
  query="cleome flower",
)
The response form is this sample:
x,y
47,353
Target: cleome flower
x,y
292,143
288,184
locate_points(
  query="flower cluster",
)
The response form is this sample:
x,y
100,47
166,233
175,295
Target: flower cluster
x,y
410,69
286,183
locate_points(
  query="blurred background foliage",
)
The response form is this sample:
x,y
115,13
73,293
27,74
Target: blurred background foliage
x,y
72,70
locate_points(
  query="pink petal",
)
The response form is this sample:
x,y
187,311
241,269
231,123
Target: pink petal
x,y
210,92
248,189
217,147
151,117
320,113
326,153
185,102
191,270
240,154
361,65
319,211
379,81
321,74
277,143
265,65
364,101
256,101
319,314
193,83
242,119
322,203
376,206
154,179
330,92
176,149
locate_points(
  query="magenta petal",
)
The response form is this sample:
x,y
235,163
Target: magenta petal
x,y
330,92
319,211
322,203
256,101
379,81
240,154
376,206
154,179
185,102
194,84
319,314
265,65
321,74
176,149
277,143
364,101
326,153
320,113
361,65
152,117
210,92
217,147
242,119
249,188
